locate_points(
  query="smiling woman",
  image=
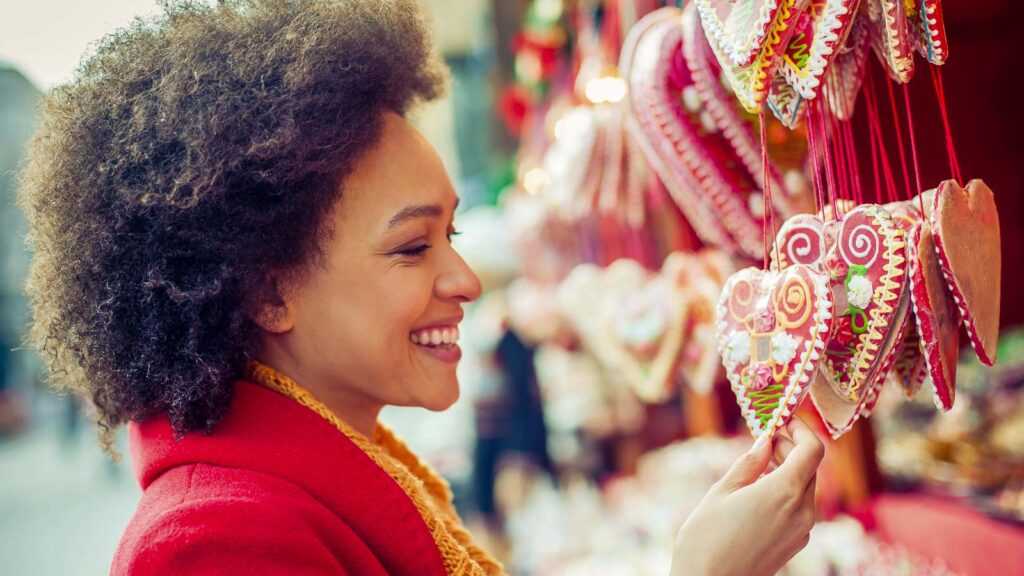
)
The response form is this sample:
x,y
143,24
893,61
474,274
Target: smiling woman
x,y
242,251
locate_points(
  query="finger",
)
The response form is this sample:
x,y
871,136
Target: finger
x,y
802,461
749,466
782,447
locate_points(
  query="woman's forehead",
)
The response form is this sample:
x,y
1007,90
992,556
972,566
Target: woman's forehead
x,y
402,170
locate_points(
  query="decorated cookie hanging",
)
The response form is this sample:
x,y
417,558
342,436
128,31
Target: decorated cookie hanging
x,y
966,227
863,256
772,328
751,83
815,43
698,164
936,315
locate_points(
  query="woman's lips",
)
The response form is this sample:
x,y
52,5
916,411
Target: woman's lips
x,y
439,342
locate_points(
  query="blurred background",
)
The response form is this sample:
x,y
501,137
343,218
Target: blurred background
x,y
560,425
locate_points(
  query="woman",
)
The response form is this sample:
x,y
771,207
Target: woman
x,y
242,252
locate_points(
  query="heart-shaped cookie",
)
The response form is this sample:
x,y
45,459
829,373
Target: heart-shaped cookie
x,y
863,255
741,27
633,321
936,315
820,32
928,30
910,369
700,365
966,227
698,164
785,102
843,79
772,328
751,83
787,155
891,38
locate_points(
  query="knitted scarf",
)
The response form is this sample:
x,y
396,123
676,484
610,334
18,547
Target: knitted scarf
x,y
428,492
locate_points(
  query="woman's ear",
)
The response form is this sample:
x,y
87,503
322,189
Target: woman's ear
x,y
273,312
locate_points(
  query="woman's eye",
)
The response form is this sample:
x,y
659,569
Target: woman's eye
x,y
414,250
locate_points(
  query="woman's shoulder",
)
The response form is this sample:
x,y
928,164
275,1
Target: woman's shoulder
x,y
201,518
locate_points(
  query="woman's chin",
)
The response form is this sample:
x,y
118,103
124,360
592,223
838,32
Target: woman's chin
x,y
443,397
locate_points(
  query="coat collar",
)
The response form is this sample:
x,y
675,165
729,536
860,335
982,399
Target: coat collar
x,y
269,433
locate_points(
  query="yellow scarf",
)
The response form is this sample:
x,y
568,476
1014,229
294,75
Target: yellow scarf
x,y
428,492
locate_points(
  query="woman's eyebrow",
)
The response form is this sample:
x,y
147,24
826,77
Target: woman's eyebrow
x,y
412,212
417,211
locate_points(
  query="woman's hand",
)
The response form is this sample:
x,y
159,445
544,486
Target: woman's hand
x,y
749,524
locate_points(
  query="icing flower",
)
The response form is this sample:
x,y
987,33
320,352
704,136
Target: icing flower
x,y
783,348
758,376
737,349
844,331
859,291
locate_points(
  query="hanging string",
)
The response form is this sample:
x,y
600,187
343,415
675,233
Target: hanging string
x,y
819,157
874,156
829,175
899,137
812,149
769,202
940,92
913,145
852,159
875,124
838,151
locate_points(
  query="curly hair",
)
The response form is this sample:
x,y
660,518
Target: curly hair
x,y
192,155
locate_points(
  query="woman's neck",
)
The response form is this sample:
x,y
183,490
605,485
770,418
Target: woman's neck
x,y
348,405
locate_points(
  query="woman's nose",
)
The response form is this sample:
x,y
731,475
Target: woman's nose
x,y
458,281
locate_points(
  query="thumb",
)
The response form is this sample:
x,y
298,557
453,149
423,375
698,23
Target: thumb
x,y
749,466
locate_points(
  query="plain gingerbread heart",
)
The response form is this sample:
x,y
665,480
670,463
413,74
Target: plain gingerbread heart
x,y
966,226
936,314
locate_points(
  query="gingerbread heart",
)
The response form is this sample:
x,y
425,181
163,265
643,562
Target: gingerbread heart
x,y
772,328
752,82
928,30
741,27
910,369
696,161
966,227
785,102
820,32
700,365
936,314
864,256
891,38
843,79
786,157
634,322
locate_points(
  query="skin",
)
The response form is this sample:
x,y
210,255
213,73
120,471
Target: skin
x,y
342,330
759,515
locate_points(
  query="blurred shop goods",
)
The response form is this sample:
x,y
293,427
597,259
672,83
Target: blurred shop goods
x,y
720,218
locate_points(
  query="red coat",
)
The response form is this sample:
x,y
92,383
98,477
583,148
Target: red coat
x,y
274,490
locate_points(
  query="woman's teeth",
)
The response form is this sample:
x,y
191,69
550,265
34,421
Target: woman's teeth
x,y
435,336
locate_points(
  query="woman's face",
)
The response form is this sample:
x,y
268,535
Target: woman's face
x,y
376,322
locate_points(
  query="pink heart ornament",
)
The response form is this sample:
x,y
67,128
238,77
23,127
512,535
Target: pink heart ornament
x,y
965,223
752,83
680,139
820,32
772,328
891,38
740,27
863,255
